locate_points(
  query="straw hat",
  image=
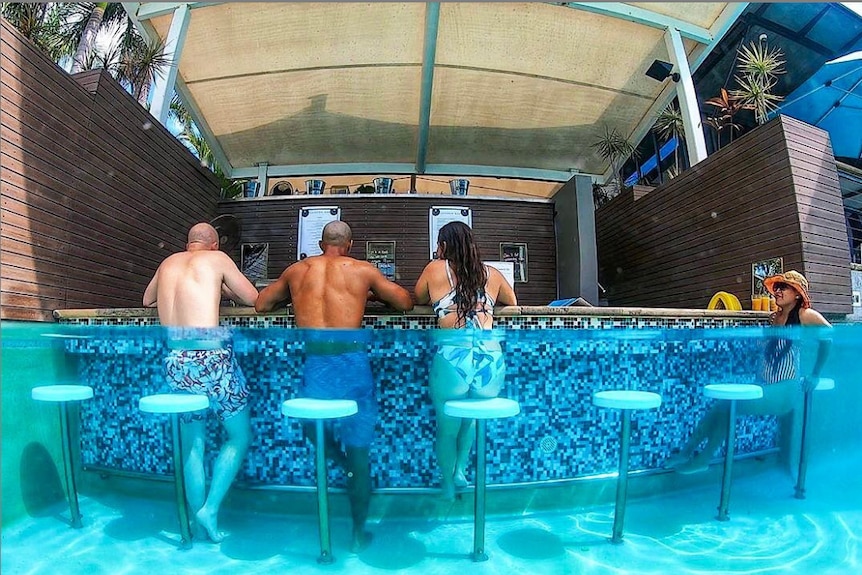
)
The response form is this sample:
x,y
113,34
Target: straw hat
x,y
795,280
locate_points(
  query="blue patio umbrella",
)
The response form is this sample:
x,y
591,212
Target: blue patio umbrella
x,y
832,100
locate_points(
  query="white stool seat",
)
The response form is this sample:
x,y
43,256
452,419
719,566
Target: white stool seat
x,y
62,392
825,384
733,391
173,403
625,399
308,408
494,408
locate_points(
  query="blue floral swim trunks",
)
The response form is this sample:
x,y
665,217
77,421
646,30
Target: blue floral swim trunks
x,y
211,372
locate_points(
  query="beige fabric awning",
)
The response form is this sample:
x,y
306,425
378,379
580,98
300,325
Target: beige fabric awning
x,y
518,89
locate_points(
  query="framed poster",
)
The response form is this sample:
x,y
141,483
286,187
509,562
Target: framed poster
x,y
440,216
517,254
253,261
312,220
762,270
382,255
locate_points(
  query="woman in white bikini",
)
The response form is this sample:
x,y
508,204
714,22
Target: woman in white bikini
x,y
463,292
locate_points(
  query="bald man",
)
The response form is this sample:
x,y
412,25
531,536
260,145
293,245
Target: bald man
x,y
187,289
330,291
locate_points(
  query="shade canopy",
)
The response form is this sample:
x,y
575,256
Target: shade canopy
x,y
517,90
832,99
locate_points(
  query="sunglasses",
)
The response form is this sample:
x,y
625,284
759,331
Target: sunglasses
x,y
780,286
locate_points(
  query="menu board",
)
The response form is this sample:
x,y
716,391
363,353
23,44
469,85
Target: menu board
x,y
311,223
440,216
382,255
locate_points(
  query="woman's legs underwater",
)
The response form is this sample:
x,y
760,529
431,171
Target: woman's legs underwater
x,y
778,399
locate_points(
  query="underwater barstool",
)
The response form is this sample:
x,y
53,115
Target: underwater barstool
x,y
823,384
625,401
175,404
731,392
320,410
62,395
480,410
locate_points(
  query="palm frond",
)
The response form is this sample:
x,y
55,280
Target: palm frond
x,y
669,124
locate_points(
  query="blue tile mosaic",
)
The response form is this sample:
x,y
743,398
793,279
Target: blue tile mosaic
x,y
553,374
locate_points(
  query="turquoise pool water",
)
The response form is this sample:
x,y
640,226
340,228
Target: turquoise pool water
x,y
548,526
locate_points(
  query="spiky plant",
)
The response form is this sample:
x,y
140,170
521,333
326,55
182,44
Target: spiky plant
x,y
668,125
758,67
613,148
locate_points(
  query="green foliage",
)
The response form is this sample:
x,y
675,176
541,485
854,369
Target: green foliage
x,y
727,107
669,125
194,141
613,148
759,67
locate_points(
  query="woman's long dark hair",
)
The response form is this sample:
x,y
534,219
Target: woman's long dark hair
x,y
461,250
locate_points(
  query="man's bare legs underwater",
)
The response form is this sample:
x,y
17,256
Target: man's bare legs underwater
x,y
205,507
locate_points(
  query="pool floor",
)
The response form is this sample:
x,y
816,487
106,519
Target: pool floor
x,y
675,533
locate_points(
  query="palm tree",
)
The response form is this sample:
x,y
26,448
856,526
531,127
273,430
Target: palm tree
x,y
40,22
669,125
194,141
86,20
613,148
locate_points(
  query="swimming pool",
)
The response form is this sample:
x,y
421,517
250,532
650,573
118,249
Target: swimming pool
x,y
551,466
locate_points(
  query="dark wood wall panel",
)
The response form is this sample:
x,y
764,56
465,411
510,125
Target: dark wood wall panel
x,y
773,193
95,192
405,221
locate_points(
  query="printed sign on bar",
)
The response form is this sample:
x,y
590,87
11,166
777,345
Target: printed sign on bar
x,y
311,223
382,255
440,216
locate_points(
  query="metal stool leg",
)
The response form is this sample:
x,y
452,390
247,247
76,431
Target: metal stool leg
x,y
622,476
322,495
180,484
728,463
68,467
479,501
803,453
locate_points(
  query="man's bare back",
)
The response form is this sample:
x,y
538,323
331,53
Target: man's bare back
x,y
331,290
188,286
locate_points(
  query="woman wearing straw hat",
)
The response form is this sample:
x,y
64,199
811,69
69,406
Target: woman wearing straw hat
x,y
780,380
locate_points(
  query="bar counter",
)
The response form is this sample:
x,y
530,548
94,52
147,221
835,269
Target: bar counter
x,y
556,359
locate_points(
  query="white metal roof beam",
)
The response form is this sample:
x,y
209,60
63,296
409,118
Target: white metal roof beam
x,y
692,125
148,10
288,171
149,33
163,89
720,27
645,17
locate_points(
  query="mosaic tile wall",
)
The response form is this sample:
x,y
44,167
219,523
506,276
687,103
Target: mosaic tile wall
x,y
553,374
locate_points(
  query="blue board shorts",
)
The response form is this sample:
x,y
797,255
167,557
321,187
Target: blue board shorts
x,y
344,376
211,372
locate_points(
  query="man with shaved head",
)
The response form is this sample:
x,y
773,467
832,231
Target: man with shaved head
x,y
187,289
329,292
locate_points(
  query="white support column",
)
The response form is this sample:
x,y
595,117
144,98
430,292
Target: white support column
x,y
262,178
694,139
164,84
